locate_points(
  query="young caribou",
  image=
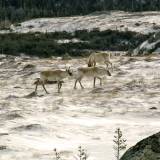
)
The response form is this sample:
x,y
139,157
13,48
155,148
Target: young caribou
x,y
94,72
52,75
99,57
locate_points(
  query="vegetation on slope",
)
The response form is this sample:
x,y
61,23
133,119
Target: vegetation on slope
x,y
46,44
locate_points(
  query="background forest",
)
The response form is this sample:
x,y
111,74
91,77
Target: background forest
x,y
19,10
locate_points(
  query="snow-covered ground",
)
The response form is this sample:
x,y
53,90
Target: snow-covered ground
x,y
144,22
31,127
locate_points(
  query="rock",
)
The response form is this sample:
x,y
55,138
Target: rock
x,y
3,147
147,149
153,108
28,67
121,73
4,134
11,97
137,24
97,90
2,56
12,116
28,127
17,87
30,95
149,46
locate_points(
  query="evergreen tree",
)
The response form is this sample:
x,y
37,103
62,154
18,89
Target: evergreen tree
x,y
120,143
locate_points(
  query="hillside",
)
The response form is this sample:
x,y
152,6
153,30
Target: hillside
x,y
76,35
144,22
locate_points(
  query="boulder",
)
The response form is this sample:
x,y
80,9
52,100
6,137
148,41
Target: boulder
x,y
147,149
152,45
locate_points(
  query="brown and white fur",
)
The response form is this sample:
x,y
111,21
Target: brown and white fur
x,y
99,57
52,75
95,72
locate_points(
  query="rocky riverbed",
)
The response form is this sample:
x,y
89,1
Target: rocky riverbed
x,y
33,125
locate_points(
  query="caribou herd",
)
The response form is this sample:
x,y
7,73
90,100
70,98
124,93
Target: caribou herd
x,y
92,70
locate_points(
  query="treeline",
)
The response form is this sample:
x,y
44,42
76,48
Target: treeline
x,y
19,10
49,44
